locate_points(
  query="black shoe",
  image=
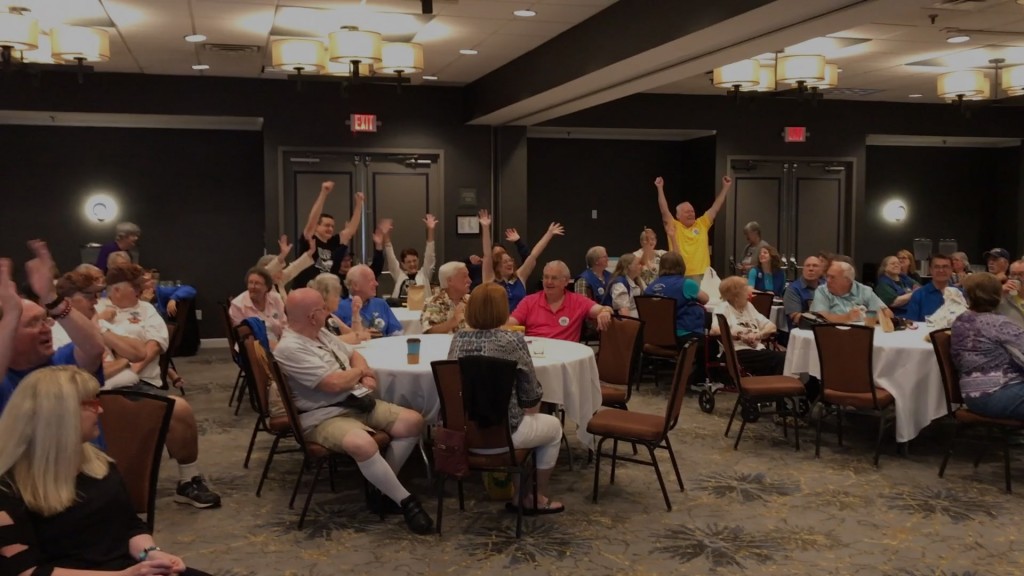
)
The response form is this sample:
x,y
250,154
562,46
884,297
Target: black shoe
x,y
196,493
417,518
380,504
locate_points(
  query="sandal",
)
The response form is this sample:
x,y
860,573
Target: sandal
x,y
178,383
530,511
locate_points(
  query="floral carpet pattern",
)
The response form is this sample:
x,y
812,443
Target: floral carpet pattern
x,y
762,509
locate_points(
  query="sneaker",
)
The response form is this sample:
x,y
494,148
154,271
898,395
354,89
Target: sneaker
x,y
380,504
416,517
196,493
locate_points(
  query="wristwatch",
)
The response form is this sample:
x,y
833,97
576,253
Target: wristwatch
x,y
145,552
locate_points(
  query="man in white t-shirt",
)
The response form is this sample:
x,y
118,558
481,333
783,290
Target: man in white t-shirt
x,y
331,384
132,317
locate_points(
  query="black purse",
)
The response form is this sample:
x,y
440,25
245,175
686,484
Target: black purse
x,y
364,404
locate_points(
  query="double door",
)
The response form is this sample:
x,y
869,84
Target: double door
x,y
800,205
401,186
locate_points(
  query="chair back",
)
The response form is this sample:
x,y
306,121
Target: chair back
x,y
466,388
685,364
257,370
658,314
135,428
732,363
289,404
762,302
942,344
845,354
177,333
448,383
229,327
619,354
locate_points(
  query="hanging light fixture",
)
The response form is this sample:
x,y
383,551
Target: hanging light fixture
x,y
80,44
831,79
800,69
41,55
738,75
298,55
401,58
962,85
345,69
1012,79
766,81
18,32
354,46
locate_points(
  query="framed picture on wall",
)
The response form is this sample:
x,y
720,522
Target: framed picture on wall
x,y
468,225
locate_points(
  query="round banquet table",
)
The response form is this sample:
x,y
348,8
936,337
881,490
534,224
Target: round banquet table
x,y
904,364
566,370
410,320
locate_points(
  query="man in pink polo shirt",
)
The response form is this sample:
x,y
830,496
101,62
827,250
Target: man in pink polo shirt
x,y
555,312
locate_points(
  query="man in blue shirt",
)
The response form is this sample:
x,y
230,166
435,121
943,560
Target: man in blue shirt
x,y
800,293
374,313
928,298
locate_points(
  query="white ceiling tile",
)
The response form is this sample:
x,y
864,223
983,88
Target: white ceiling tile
x,y
530,28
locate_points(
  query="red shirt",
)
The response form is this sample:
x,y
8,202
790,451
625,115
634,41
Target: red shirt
x,y
540,320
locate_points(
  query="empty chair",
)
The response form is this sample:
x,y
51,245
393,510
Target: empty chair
x,y
659,335
239,388
177,333
617,360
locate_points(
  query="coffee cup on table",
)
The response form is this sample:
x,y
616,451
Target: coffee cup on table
x,y
413,352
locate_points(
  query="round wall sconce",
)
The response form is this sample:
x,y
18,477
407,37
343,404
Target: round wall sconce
x,y
100,208
894,211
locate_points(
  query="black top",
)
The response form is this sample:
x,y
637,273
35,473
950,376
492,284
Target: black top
x,y
92,534
323,259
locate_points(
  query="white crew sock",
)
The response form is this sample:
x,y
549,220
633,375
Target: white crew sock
x,y
187,472
379,473
399,452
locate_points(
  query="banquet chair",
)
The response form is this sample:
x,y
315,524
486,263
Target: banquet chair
x,y
847,378
961,416
659,335
135,426
650,430
617,360
497,438
177,333
258,371
314,455
239,387
753,390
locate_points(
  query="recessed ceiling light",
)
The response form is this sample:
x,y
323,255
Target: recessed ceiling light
x,y
469,52
957,38
430,77
914,95
195,38
524,13
200,66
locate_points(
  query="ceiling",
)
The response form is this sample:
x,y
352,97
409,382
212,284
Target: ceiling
x,y
899,51
147,36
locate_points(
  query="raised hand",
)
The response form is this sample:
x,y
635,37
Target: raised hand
x,y
312,245
475,260
10,301
726,181
430,221
386,226
659,182
512,235
284,245
485,217
556,229
378,237
327,186
40,272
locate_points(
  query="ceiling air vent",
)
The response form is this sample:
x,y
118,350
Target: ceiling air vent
x,y
232,49
963,5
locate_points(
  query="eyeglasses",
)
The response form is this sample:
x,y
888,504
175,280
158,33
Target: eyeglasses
x,y
38,321
93,405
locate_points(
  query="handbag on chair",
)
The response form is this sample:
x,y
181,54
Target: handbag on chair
x,y
450,455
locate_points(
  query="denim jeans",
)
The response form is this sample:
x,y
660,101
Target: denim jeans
x,y
1006,402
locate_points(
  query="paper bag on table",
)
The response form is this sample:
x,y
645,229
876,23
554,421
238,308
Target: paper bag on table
x,y
415,297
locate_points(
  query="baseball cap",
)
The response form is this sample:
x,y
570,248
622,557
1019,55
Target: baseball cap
x,y
996,253
74,282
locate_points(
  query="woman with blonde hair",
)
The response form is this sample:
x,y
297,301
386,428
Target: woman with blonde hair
x,y
893,287
64,508
961,268
748,327
626,284
329,286
486,313
908,267
649,255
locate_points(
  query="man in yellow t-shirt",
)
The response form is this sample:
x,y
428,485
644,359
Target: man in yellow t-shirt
x,y
689,234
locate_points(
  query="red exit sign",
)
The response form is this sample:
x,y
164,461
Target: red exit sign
x,y
363,122
795,134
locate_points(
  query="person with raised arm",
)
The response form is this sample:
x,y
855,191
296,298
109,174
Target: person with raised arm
x,y
281,272
407,270
691,233
320,230
514,279
476,263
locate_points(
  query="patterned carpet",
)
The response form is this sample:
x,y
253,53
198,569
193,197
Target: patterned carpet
x,y
764,509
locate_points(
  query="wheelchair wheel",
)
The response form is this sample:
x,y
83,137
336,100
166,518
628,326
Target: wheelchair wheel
x,y
706,401
750,412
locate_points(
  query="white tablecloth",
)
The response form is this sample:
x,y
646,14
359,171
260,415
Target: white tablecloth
x,y
904,365
567,370
410,319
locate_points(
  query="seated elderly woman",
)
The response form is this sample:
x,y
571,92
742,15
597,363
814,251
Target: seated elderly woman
x,y
280,273
260,302
626,284
596,277
329,286
767,275
64,508
988,351
556,312
485,314
749,328
894,288
908,266
445,312
961,268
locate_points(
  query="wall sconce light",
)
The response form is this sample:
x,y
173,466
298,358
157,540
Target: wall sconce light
x,y
100,208
894,211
